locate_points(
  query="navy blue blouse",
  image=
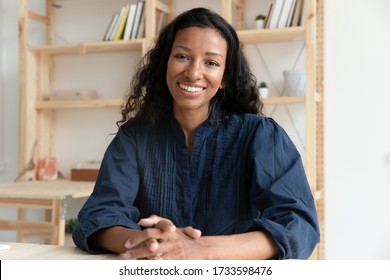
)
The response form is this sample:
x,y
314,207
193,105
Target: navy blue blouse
x,y
244,174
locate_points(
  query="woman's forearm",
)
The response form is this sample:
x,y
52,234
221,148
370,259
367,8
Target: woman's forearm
x,y
251,245
112,239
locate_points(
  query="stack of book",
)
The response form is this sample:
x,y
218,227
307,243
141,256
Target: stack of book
x,y
127,24
286,13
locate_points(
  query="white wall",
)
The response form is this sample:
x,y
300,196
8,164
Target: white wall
x,y
357,134
2,162
8,90
357,140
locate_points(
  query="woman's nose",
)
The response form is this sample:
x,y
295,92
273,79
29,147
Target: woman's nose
x,y
194,71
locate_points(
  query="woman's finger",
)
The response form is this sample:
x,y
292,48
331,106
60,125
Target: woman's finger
x,y
192,232
158,222
143,236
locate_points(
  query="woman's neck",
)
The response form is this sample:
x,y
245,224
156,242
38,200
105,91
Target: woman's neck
x,y
189,121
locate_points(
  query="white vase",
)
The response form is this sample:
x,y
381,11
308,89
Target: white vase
x,y
263,92
295,82
260,24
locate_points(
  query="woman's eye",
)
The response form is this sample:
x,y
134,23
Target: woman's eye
x,y
212,63
181,56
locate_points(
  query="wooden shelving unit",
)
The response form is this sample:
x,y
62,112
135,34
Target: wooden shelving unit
x,y
37,113
90,48
258,36
77,104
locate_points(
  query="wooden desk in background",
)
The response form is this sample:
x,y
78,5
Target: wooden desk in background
x,y
48,195
29,251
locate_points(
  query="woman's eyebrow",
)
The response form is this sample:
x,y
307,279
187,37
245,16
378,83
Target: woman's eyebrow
x,y
214,54
207,53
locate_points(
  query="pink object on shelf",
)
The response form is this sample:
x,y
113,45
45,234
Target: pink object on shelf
x,y
47,169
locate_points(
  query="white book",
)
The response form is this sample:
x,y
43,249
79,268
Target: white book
x,y
276,11
286,7
134,32
130,22
111,27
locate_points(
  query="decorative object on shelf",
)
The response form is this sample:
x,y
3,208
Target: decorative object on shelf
x,y
263,88
85,171
295,82
73,94
260,20
47,169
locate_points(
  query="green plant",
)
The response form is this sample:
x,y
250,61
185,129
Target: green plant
x,y
263,85
71,225
259,17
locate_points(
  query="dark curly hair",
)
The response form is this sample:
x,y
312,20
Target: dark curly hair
x,y
149,98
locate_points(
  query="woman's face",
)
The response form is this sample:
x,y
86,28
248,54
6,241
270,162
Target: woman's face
x,y
195,69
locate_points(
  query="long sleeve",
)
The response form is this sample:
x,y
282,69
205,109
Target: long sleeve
x,y
280,191
116,188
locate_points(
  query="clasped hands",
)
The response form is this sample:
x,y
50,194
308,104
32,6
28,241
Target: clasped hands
x,y
161,239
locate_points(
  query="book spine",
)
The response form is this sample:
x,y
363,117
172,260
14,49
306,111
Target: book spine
x,y
130,22
276,10
122,24
111,27
137,18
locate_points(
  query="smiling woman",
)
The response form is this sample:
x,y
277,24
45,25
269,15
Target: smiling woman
x,y
195,164
194,75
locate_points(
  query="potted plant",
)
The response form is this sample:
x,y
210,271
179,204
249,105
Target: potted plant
x,y
71,225
260,19
263,88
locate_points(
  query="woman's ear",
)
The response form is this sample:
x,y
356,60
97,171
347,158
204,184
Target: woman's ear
x,y
222,85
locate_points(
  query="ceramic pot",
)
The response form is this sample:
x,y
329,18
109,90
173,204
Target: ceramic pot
x,y
260,24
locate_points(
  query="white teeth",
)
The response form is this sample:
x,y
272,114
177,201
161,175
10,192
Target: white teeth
x,y
191,89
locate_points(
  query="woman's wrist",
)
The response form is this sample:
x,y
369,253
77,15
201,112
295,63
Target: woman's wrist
x,y
251,245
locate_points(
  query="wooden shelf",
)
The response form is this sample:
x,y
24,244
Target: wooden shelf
x,y
275,100
116,103
257,36
78,104
251,36
90,47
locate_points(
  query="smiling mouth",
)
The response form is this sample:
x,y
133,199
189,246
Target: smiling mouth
x,y
191,89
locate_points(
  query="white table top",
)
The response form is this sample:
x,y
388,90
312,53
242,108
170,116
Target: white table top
x,y
58,189
31,251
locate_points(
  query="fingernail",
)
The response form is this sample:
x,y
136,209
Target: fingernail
x,y
127,256
128,244
153,247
